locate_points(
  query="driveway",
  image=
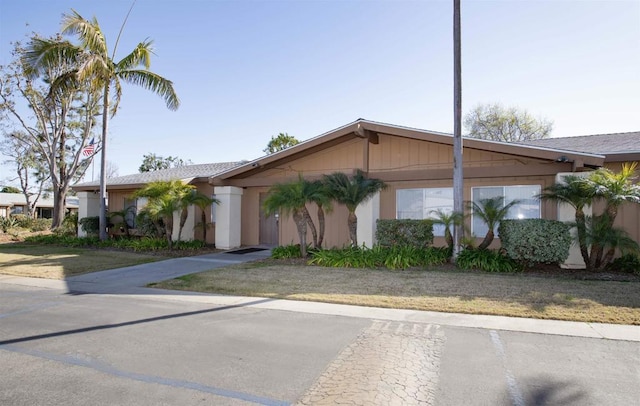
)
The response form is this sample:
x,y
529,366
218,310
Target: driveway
x,y
122,344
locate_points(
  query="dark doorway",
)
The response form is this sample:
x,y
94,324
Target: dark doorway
x,y
268,226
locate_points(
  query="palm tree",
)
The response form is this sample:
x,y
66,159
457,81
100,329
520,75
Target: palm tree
x,y
203,204
316,192
577,193
291,199
615,189
352,191
448,220
492,211
193,198
601,233
92,62
164,198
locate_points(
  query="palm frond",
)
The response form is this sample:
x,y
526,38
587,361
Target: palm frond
x,y
141,55
41,54
89,33
153,82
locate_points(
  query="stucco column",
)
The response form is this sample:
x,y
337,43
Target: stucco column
x,y
228,216
368,213
89,207
566,213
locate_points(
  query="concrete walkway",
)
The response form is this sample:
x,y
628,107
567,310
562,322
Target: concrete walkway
x,y
132,280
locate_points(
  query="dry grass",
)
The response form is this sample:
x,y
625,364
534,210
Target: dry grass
x,y
441,290
54,262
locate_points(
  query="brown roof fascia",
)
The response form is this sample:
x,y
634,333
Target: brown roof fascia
x,y
623,157
491,146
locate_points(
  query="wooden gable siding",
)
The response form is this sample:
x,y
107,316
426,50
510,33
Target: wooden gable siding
x,y
426,164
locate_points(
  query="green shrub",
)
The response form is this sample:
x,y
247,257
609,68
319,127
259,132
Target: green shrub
x,y
286,251
69,225
626,263
148,227
416,233
41,224
7,223
486,260
90,225
22,220
397,257
532,241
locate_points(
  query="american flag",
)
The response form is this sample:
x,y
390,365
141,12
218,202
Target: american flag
x,y
88,150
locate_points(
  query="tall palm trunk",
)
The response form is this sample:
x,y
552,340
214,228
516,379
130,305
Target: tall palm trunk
x,y
301,224
321,226
352,221
582,237
488,238
183,220
168,228
103,164
312,227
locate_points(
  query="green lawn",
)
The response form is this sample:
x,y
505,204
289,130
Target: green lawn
x,y
55,262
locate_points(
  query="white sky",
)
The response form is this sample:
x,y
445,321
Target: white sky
x,y
247,70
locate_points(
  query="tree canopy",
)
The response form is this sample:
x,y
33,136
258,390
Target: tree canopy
x,y
280,142
9,189
508,124
152,162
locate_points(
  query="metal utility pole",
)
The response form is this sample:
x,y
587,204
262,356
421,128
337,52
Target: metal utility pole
x,y
458,177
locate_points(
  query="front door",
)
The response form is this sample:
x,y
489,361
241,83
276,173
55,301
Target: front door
x,y
268,226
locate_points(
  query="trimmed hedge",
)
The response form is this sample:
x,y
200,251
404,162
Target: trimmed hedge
x,y
414,233
533,241
90,225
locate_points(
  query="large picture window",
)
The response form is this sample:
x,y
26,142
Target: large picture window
x,y
421,203
527,208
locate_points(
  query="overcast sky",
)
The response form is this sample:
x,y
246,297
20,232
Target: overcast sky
x,y
247,70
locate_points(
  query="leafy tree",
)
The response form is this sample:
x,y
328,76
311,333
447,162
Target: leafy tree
x,y
89,61
352,191
280,142
497,123
48,130
152,162
492,211
9,189
291,199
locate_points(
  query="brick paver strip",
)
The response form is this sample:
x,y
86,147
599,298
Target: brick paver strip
x,y
389,363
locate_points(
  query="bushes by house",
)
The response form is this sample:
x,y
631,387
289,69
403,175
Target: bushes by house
x,y
535,241
414,233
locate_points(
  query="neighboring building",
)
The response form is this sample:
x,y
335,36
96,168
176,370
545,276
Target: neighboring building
x,y
121,188
417,166
15,203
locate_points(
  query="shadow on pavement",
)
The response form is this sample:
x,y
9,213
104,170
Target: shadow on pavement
x,y
130,323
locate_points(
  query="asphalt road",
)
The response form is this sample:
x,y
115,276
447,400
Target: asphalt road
x,y
121,349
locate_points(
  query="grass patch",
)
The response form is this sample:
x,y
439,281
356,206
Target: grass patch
x,y
56,262
516,295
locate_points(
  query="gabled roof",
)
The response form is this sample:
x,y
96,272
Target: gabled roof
x,y
611,145
187,174
364,128
18,199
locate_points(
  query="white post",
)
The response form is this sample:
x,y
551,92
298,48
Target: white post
x,y
228,216
368,214
89,206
